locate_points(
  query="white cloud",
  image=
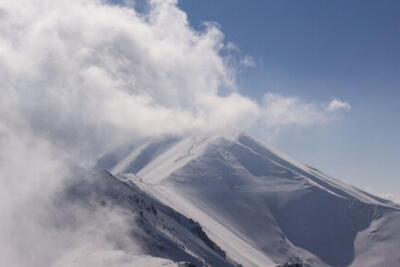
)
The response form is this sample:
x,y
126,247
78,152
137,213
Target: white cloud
x,y
280,111
337,104
285,111
81,72
89,76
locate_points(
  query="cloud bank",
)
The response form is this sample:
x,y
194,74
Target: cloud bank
x,y
87,76
83,72
80,77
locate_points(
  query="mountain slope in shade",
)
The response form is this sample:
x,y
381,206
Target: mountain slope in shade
x,y
261,207
165,237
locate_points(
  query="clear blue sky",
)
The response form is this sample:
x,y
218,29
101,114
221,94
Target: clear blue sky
x,y
317,50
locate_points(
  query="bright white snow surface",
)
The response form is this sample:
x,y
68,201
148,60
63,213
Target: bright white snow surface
x,y
261,207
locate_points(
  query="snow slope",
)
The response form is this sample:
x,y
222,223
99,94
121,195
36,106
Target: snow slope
x,y
165,237
261,207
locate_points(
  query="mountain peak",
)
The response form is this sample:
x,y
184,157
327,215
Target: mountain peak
x,y
259,205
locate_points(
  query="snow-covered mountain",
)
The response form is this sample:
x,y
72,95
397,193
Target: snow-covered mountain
x,y
160,231
236,201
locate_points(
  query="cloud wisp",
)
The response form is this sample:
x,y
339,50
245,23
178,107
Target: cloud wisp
x,y
337,105
280,111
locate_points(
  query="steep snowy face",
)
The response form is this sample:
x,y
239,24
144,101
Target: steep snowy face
x,y
161,236
261,206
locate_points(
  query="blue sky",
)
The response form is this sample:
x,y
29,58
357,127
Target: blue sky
x,y
318,50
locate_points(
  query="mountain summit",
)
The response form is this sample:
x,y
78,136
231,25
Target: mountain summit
x,y
259,206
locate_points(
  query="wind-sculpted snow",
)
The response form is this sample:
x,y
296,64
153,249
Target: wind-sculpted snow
x,y
262,207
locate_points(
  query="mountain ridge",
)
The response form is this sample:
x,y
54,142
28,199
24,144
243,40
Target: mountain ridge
x,y
261,206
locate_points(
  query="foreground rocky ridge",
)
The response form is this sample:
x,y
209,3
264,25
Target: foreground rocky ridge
x,y
160,231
